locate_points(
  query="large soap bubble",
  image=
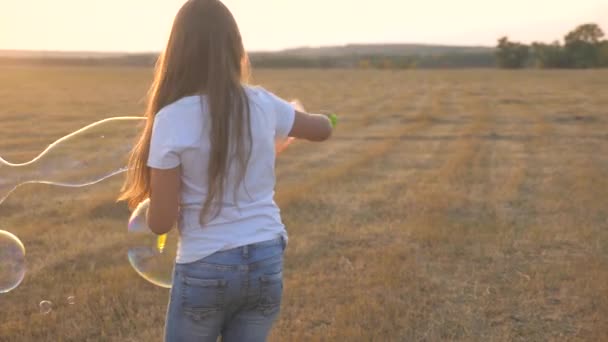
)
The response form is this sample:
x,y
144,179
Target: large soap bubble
x,y
82,158
151,256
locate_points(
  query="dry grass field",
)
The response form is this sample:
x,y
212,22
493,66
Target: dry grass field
x,y
449,206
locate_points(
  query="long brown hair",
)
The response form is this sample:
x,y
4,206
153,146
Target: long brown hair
x,y
204,55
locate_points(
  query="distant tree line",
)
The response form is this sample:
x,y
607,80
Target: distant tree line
x,y
447,60
280,61
583,48
135,60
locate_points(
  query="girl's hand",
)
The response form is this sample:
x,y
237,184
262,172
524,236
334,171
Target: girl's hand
x,y
281,145
298,105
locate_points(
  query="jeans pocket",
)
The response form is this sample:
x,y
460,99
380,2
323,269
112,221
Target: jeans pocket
x,y
202,297
271,292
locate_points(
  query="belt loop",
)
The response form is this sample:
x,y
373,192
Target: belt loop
x,y
245,252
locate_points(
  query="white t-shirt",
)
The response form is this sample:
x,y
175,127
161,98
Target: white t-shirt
x,y
180,136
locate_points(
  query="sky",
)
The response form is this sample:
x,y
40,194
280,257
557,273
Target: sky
x,y
144,25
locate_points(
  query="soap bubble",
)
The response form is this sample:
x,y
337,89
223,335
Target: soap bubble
x,y
12,262
151,256
45,307
71,300
82,158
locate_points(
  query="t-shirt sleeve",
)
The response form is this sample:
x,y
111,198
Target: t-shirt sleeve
x,y
285,115
163,152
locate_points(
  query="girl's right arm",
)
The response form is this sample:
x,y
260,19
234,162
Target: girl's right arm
x,y
293,121
313,127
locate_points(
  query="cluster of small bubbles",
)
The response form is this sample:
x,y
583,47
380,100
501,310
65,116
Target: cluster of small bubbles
x,y
12,262
45,307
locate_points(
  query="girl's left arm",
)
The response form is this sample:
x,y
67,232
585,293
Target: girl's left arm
x,y
164,199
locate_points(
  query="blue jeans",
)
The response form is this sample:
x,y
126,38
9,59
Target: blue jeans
x,y
234,293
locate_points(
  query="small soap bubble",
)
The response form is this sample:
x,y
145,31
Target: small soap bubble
x,y
12,262
346,264
46,307
71,300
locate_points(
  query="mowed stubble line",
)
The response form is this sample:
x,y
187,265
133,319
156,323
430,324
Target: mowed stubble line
x,y
397,232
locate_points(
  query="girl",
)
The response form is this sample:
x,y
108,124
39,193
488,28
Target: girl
x,y
206,159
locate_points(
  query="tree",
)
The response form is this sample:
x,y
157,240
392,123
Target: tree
x,y
512,55
583,46
588,33
550,55
603,60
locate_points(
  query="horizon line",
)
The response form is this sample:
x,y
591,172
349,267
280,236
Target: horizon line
x,y
143,52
